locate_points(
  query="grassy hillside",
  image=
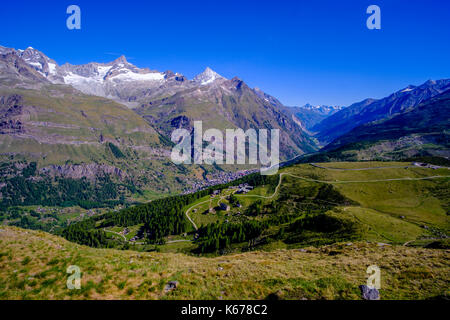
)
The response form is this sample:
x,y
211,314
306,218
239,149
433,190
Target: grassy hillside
x,y
320,228
33,266
395,202
418,131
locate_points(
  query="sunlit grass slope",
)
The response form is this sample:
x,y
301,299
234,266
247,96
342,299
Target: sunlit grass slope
x,y
33,266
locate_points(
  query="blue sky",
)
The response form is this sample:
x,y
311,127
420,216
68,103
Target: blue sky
x,y
298,51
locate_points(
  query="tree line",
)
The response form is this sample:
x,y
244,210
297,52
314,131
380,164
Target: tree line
x,y
22,190
217,236
160,218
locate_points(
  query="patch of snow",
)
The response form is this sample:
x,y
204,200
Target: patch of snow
x,y
407,89
35,64
52,68
131,76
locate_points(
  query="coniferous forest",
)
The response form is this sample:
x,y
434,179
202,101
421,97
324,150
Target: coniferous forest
x,y
163,217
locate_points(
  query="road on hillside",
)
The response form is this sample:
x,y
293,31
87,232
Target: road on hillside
x,y
116,233
319,181
187,211
360,169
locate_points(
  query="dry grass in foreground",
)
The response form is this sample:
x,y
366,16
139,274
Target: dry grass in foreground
x,y
33,266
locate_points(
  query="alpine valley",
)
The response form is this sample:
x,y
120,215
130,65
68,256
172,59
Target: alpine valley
x,y
115,120
86,179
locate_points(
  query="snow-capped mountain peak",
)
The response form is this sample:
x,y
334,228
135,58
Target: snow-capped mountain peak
x,y
119,79
322,109
122,59
208,76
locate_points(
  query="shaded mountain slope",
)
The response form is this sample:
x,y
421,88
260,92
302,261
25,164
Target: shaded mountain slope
x,y
371,110
429,119
226,104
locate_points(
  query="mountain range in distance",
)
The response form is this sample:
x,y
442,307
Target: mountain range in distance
x,y
370,110
160,102
310,115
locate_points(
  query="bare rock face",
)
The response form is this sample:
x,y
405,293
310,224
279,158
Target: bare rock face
x,y
369,293
12,66
180,122
89,171
11,111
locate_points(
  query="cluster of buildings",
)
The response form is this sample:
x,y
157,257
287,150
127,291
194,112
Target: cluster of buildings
x,y
426,165
244,188
216,179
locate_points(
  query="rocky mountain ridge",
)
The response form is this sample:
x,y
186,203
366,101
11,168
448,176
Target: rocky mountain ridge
x,y
370,110
118,80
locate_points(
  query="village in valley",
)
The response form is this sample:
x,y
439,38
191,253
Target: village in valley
x,y
226,199
220,206
216,178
